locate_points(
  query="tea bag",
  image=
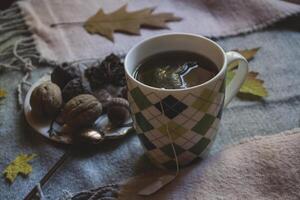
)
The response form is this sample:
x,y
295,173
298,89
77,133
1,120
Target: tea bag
x,y
187,75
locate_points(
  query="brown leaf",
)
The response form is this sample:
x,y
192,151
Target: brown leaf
x,y
128,22
247,53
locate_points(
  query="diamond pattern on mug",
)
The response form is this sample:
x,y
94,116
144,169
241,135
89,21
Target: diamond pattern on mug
x,y
181,119
189,99
208,95
155,122
140,99
151,135
200,146
147,144
181,141
216,123
210,133
160,142
153,110
170,106
158,155
142,122
147,114
189,112
168,150
198,115
201,105
188,145
213,109
153,98
174,129
219,98
185,157
204,124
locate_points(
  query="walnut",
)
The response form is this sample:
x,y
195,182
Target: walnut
x,y
118,111
46,100
81,111
74,88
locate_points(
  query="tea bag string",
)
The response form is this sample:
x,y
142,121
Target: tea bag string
x,y
165,179
172,141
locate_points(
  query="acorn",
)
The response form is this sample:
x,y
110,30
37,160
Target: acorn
x,y
118,111
81,111
46,100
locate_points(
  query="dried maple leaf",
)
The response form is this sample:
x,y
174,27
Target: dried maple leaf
x,y
19,166
129,22
247,53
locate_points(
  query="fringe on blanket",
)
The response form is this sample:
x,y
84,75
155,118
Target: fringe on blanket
x,y
18,51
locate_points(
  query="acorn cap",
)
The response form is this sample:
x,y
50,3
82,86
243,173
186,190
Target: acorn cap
x,y
118,111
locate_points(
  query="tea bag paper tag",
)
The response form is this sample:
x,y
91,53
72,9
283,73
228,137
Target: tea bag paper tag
x,y
157,185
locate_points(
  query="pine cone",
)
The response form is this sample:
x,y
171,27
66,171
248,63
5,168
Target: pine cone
x,y
64,73
109,71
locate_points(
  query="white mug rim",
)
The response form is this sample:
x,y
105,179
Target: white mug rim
x,y
216,77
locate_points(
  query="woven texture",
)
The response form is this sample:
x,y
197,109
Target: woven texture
x,y
261,168
114,161
212,18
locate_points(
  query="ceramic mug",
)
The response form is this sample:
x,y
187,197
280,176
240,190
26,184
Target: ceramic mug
x,y
184,120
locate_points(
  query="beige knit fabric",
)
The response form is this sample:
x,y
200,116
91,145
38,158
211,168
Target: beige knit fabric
x,y
212,18
263,168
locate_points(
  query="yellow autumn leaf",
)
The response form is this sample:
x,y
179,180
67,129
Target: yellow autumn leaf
x,y
19,166
254,86
2,93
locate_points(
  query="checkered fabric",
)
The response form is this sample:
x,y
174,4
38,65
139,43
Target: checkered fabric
x,y
191,117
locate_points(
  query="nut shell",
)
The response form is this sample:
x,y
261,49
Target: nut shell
x,y
103,96
118,111
81,111
74,88
109,71
46,100
64,73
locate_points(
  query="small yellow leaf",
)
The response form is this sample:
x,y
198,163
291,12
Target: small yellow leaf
x,y
2,93
254,86
19,166
123,21
247,53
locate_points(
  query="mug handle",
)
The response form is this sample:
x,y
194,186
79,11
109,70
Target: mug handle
x,y
240,75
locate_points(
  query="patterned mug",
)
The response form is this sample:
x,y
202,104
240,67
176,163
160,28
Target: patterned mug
x,y
181,120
